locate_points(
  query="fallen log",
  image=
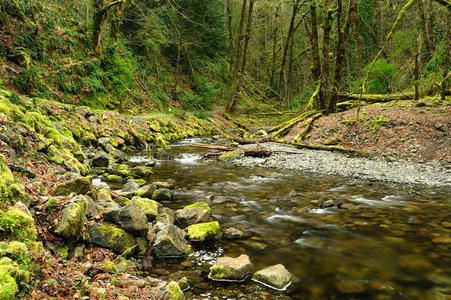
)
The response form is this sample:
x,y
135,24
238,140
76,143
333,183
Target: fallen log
x,y
308,124
254,152
214,147
330,148
371,98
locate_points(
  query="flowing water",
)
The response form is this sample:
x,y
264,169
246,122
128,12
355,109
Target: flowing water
x,y
393,241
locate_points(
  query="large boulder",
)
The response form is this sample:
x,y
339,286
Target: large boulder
x,y
203,231
170,241
130,187
275,276
149,207
101,159
129,217
73,218
192,214
112,237
79,185
228,268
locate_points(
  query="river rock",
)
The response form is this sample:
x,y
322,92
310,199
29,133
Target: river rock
x,y
350,287
103,141
173,292
146,191
193,214
93,208
80,185
233,233
101,159
164,185
117,155
129,217
104,196
130,187
111,237
142,172
275,276
228,268
162,194
98,184
73,217
238,153
149,207
170,241
203,231
165,215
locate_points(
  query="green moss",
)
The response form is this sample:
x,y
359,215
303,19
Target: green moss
x,y
114,178
63,252
109,266
203,231
377,123
80,185
219,272
203,205
53,134
6,177
238,153
19,226
104,196
14,250
16,194
149,207
73,218
348,122
174,291
119,240
8,287
52,205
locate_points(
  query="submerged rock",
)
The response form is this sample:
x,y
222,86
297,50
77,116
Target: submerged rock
x,y
73,217
193,214
228,268
129,217
112,237
170,241
80,185
275,276
233,233
101,159
203,231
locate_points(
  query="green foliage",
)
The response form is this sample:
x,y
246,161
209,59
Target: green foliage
x,y
202,97
381,77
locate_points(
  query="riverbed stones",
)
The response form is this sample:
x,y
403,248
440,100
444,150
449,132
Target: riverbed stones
x,y
79,185
170,241
192,214
101,159
233,233
104,196
165,215
142,172
162,194
276,276
130,187
228,268
149,207
235,154
112,237
129,217
203,231
146,191
73,217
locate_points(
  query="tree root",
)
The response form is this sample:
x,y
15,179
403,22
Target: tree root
x,y
308,124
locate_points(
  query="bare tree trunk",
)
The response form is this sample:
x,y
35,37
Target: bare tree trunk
x,y
285,52
314,42
229,26
240,35
447,58
416,70
428,46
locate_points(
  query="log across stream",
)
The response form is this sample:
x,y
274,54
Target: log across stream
x,y
340,237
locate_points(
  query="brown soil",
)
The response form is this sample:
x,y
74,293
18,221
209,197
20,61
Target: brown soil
x,y
398,129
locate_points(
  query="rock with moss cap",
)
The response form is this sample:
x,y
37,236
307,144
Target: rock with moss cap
x,y
13,249
276,276
104,196
79,185
142,172
203,231
73,217
11,277
238,153
170,241
146,191
19,226
130,218
149,207
162,194
6,177
173,291
112,237
192,214
16,194
228,268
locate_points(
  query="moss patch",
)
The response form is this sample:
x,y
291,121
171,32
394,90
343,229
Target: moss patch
x,y
73,218
19,226
174,291
80,185
219,272
203,231
204,206
149,207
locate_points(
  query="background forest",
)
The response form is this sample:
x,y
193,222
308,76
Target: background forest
x,y
241,54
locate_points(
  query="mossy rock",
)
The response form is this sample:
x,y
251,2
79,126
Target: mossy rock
x,y
114,179
203,231
174,291
112,237
19,226
104,196
13,250
80,185
73,218
16,194
236,154
149,207
6,177
204,206
146,191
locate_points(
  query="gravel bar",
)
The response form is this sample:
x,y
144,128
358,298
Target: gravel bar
x,y
433,173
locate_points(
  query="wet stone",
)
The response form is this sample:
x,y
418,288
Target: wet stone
x,y
228,268
276,276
